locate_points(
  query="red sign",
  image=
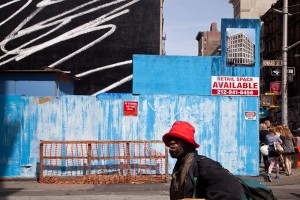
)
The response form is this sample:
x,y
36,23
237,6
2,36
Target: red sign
x,y
130,108
275,87
234,86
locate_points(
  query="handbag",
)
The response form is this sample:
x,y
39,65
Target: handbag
x,y
278,148
264,149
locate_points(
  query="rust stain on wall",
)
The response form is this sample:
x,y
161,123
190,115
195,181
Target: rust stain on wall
x,y
45,99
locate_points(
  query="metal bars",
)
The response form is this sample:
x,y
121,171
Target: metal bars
x,y
103,162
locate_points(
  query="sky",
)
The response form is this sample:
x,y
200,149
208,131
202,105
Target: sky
x,y
183,19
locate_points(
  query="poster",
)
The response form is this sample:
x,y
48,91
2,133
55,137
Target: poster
x,y
234,86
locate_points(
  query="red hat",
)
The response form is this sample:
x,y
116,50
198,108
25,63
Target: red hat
x,y
182,130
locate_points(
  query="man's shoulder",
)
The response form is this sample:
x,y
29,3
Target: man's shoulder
x,y
203,161
212,171
203,158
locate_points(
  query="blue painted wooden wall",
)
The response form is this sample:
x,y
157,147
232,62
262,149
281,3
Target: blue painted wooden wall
x,y
223,133
167,88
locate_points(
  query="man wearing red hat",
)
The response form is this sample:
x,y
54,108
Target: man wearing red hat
x,y
196,176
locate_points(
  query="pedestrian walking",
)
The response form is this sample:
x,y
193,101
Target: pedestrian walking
x,y
274,157
263,132
196,176
288,147
268,123
278,129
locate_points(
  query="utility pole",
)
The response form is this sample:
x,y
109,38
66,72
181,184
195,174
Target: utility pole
x,y
284,88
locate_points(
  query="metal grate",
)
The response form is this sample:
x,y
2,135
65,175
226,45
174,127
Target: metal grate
x,y
103,162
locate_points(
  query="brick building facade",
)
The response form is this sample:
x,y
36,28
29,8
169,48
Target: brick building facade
x,y
208,41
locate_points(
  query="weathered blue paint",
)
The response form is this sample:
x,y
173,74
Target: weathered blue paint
x,y
230,137
10,130
35,83
167,89
221,130
220,126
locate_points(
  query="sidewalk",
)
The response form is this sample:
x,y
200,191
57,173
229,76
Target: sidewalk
x,y
287,187
20,190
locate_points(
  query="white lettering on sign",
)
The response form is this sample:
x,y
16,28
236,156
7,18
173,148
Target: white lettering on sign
x,y
235,86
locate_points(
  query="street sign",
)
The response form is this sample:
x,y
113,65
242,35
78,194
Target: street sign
x,y
275,87
290,78
277,71
291,70
272,63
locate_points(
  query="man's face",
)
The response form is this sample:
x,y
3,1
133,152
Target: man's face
x,y
176,147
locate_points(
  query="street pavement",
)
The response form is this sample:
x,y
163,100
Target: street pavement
x,y
286,188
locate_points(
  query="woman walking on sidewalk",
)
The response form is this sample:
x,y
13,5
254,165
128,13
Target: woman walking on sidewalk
x,y
273,155
288,147
263,132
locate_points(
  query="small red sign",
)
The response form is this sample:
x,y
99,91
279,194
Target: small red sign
x,y
131,108
250,115
275,87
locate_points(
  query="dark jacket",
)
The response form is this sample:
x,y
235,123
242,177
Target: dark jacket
x,y
213,181
262,136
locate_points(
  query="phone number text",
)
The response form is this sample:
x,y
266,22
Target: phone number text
x,y
235,92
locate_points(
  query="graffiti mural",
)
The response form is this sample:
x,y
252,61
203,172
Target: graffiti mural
x,y
92,39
